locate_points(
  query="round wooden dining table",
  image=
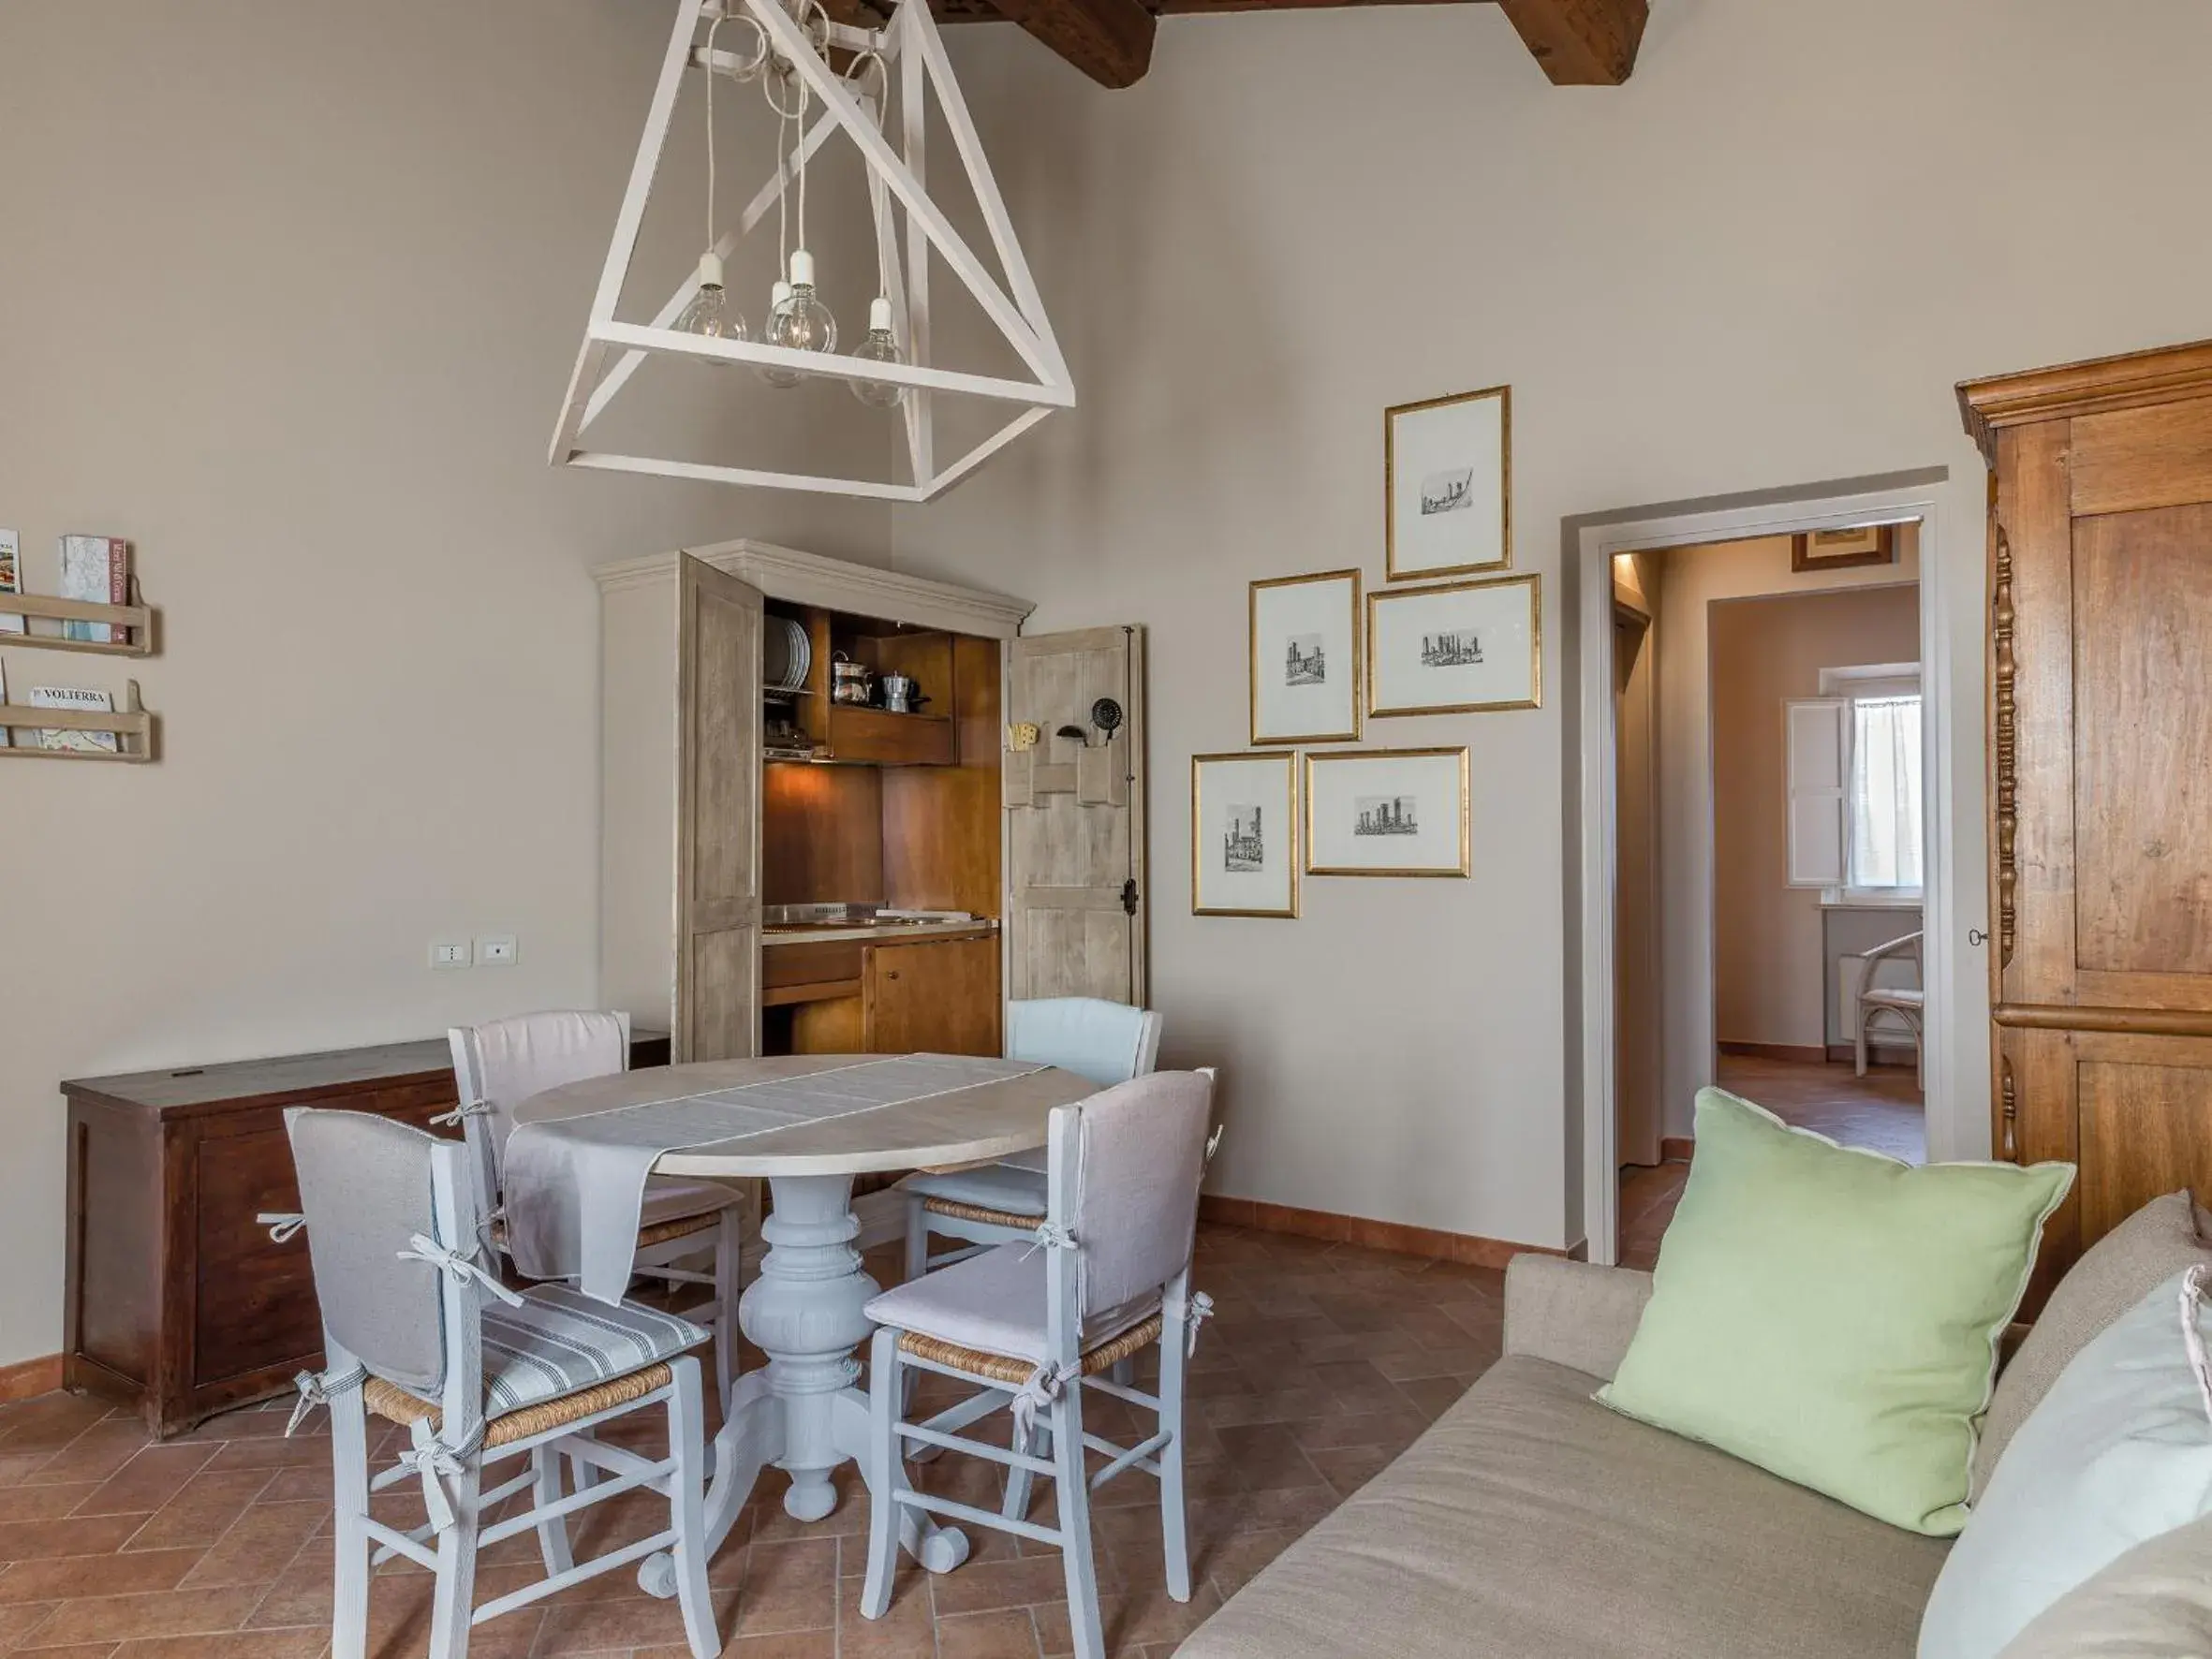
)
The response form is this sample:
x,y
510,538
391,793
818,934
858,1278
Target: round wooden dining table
x,y
805,1412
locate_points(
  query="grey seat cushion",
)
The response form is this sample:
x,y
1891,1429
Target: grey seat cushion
x,y
560,1341
1529,1523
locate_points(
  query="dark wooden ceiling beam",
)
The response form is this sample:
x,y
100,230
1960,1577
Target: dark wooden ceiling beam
x,y
1109,40
1581,42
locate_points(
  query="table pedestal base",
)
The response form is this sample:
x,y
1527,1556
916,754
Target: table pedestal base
x,y
804,1413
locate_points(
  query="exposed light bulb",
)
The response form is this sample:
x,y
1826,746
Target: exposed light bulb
x,y
880,347
797,320
709,315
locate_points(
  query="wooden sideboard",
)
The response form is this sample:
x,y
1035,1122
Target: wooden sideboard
x,y
176,1300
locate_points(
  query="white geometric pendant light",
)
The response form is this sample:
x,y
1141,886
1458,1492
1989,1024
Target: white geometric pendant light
x,y
911,49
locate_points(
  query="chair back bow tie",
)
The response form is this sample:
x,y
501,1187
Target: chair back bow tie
x,y
462,1112
460,1266
283,1226
1194,1313
1049,1235
320,1387
434,1461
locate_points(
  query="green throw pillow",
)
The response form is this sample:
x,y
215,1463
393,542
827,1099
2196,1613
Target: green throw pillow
x,y
1832,1314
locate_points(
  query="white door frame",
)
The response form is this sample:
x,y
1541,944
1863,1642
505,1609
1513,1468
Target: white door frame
x,y
1599,543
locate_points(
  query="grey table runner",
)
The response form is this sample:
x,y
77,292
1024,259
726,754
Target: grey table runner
x,y
576,1186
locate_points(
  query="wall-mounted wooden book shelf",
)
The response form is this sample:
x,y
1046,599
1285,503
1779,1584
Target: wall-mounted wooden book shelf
x,y
134,624
133,726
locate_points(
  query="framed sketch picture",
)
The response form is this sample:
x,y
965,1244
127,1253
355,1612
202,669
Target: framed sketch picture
x,y
1387,811
1841,549
1461,648
1447,470
1244,836
1305,643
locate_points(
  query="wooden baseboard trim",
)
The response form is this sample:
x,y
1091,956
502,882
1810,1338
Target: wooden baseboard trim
x,y
1844,1054
1676,1149
1798,1054
28,1378
1468,1249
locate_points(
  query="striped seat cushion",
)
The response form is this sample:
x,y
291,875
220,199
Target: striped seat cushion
x,y
560,1341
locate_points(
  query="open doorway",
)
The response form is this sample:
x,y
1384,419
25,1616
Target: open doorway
x,y
1769,809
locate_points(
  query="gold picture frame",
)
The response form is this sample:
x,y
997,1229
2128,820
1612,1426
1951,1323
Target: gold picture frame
x,y
1201,832
1314,838
1524,694
1400,563
1842,549
1355,684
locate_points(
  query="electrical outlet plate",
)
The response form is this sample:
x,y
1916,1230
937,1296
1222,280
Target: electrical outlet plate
x,y
497,951
449,953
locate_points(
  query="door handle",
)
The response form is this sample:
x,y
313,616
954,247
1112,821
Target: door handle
x,y
1975,937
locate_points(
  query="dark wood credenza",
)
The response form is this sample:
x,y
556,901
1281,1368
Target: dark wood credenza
x,y
177,1301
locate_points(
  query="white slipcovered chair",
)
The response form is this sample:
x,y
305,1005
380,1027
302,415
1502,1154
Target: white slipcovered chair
x,y
417,1332
497,1066
1106,1042
1033,1326
1906,1005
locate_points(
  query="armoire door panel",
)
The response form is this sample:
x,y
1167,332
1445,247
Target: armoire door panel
x,y
2145,1114
2035,852
717,813
2134,460
2142,741
2046,1127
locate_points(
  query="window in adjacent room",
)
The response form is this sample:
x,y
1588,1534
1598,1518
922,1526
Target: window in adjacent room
x,y
1855,766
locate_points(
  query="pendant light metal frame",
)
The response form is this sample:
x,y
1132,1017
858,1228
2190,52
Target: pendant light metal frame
x,y
911,46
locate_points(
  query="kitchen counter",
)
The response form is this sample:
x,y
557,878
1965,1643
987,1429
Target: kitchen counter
x,y
809,933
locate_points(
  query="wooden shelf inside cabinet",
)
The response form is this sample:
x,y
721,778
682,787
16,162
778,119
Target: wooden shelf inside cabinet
x,y
135,620
133,726
861,733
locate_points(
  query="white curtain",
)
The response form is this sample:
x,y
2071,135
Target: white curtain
x,y
1885,792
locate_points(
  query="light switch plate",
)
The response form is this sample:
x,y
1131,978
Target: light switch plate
x,y
449,953
497,951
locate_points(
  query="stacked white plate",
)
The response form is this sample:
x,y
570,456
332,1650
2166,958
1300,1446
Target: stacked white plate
x,y
785,655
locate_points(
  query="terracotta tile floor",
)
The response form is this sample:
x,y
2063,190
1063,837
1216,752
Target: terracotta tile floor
x,y
1321,1364
1881,1110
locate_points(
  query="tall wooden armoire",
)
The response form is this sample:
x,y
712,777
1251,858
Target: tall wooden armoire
x,y
2100,777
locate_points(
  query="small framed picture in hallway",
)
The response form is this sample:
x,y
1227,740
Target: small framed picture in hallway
x,y
1244,836
1387,811
1305,644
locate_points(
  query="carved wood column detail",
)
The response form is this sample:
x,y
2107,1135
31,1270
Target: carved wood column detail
x,y
2004,720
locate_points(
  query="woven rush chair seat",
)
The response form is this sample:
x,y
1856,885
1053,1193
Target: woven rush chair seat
x,y
394,1404
1004,1367
1015,1218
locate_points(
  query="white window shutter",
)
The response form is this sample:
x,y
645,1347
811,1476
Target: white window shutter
x,y
1818,741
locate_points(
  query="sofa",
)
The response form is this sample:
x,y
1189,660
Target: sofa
x,y
1530,1523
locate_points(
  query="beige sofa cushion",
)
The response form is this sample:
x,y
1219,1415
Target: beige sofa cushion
x,y
2153,1603
2157,1242
1530,1523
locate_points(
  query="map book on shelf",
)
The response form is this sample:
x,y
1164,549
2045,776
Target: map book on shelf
x,y
11,582
85,702
94,568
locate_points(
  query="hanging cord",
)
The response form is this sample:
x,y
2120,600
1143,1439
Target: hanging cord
x,y
783,198
2192,1302
712,29
877,107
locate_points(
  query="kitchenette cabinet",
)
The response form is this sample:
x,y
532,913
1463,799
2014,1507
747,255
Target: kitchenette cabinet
x,y
783,872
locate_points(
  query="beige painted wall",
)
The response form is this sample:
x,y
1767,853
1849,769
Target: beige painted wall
x,y
1297,219
291,295
1699,581
1769,973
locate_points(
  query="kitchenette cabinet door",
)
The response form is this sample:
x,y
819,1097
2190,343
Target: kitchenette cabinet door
x,y
1075,815
717,814
933,997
